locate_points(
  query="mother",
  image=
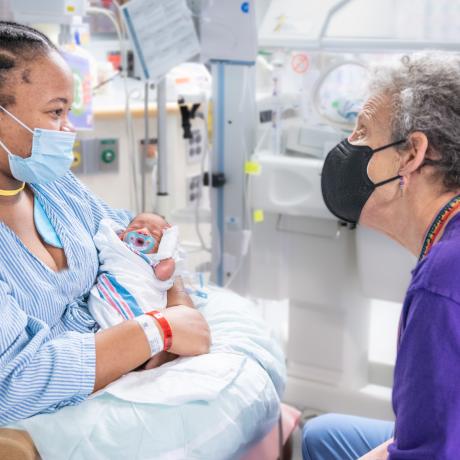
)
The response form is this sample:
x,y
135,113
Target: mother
x,y
50,356
399,172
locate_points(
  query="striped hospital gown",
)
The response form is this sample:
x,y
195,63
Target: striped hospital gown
x,y
47,346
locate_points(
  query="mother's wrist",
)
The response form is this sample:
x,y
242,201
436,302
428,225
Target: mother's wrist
x,y
164,326
153,333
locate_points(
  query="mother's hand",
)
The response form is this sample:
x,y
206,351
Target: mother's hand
x,y
190,331
124,347
158,360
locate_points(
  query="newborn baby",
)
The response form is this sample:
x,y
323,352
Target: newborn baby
x,y
138,265
147,241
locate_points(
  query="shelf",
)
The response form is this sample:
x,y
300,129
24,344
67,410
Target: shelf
x,y
356,44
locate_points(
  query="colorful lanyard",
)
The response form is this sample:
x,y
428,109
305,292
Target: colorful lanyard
x,y
438,225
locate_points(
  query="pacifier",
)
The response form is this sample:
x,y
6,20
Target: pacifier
x,y
140,241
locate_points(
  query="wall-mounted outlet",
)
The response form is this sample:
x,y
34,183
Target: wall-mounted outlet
x,y
96,155
196,146
77,165
193,189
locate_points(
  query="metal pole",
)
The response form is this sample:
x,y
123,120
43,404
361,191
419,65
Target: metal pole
x,y
146,143
218,166
162,193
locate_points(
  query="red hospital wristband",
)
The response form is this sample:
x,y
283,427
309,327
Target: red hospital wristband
x,y
166,328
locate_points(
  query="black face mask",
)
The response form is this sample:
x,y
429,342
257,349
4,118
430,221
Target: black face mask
x,y
345,184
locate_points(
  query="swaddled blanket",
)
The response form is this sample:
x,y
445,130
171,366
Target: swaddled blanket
x,y
126,284
208,407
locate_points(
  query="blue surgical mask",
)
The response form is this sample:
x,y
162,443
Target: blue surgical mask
x,y
51,157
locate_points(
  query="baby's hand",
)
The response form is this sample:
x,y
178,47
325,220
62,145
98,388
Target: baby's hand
x,y
165,269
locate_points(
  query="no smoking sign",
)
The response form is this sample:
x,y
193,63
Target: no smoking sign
x,y
300,62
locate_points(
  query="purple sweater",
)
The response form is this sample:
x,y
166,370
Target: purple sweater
x,y
426,392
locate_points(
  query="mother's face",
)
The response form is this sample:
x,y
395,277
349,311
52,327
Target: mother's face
x,y
43,92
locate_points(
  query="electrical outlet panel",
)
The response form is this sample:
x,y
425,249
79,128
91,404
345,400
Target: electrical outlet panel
x,y
95,156
193,190
77,165
107,154
196,146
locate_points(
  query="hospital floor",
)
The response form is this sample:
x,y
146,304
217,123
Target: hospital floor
x,y
297,449
307,414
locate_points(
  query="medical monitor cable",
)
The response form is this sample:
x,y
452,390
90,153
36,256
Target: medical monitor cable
x,y
122,35
132,148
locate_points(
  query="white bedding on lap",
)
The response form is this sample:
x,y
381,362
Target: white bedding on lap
x,y
207,375
209,407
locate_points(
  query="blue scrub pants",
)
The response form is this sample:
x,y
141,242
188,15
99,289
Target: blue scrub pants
x,y
343,437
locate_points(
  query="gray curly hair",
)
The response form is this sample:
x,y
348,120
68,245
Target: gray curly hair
x,y
424,89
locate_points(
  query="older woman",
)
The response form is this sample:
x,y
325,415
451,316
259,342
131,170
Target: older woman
x,y
50,356
399,172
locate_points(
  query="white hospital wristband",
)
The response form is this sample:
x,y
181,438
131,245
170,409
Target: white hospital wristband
x,y
150,328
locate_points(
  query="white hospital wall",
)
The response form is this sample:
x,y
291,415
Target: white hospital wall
x,y
116,188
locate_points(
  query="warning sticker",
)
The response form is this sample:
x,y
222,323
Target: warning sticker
x,y
300,62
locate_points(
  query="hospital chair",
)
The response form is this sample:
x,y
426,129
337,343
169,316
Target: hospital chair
x,y
18,445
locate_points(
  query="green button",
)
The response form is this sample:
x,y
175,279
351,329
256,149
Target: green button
x,y
108,156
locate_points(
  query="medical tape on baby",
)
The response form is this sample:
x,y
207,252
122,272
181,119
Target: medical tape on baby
x,y
168,243
150,328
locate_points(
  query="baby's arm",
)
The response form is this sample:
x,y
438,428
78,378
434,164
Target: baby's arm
x,y
165,269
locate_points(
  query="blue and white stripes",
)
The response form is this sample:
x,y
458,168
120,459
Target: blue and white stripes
x,y
118,297
47,347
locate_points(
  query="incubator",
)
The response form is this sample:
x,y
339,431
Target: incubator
x,y
308,88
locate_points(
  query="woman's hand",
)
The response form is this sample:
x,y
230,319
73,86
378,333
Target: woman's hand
x,y
178,296
124,347
190,331
158,360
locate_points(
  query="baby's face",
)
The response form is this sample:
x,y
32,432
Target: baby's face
x,y
146,225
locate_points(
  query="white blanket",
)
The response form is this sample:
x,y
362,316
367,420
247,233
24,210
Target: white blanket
x,y
128,271
210,407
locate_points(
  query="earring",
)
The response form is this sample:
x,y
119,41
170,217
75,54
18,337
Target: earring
x,y
401,185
